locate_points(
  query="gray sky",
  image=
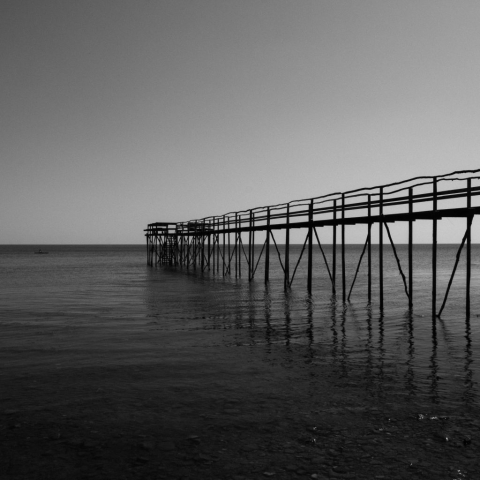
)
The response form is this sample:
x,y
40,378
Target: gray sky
x,y
115,114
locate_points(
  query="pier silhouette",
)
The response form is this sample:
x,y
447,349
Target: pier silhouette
x,y
218,243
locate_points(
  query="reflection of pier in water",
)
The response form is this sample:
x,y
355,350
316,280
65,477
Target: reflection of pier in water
x,y
430,362
225,244
376,364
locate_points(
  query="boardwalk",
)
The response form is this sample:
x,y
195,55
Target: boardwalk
x,y
225,244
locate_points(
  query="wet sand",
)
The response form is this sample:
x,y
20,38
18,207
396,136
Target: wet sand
x,y
116,400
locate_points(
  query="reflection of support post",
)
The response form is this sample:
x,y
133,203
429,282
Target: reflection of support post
x,y
380,247
310,247
267,248
369,254
469,247
286,277
434,250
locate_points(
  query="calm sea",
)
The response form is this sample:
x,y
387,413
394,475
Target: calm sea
x,y
437,360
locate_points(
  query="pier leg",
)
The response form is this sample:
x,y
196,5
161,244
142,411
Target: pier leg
x,y
286,278
380,248
240,244
434,251
250,259
209,246
229,250
218,245
334,249
344,287
267,248
469,249
410,249
223,248
369,250
310,247
253,246
236,245
202,250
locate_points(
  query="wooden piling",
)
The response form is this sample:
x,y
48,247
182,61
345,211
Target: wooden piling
x,y
223,247
410,249
344,285
380,247
369,250
267,249
286,278
240,246
250,241
218,245
469,248
229,250
334,249
310,248
434,250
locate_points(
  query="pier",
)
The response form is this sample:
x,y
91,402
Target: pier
x,y
224,244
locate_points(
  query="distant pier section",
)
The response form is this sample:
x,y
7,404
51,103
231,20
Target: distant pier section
x,y
225,244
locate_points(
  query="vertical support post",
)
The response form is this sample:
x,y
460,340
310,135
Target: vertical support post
x,y
369,249
195,247
434,250
344,286
218,244
286,279
250,259
209,245
267,248
239,244
410,249
148,252
202,251
310,247
236,245
229,249
380,246
469,247
213,245
334,249
223,248
253,245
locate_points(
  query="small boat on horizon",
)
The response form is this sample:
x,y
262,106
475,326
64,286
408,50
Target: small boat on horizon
x,y
39,251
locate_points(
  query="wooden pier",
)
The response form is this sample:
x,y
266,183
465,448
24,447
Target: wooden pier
x,y
225,244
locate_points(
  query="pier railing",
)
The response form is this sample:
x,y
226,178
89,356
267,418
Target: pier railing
x,y
217,243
